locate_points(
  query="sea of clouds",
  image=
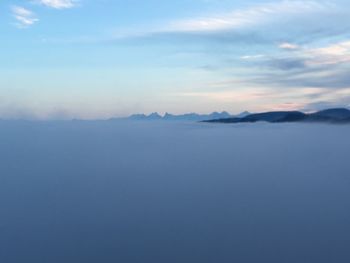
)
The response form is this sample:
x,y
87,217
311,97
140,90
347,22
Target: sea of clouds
x,y
163,192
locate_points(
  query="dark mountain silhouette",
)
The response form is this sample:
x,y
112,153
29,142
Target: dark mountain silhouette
x,y
243,114
185,117
340,115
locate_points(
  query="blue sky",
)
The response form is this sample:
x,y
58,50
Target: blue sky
x,y
98,59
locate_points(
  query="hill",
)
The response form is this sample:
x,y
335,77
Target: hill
x,y
337,115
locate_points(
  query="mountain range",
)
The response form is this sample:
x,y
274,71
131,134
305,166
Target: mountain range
x,y
337,115
185,117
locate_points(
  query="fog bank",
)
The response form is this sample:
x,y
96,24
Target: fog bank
x,y
139,192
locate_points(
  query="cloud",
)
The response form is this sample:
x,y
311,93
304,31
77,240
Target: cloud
x,y
249,57
286,64
336,53
58,4
330,99
288,46
324,66
291,16
313,49
321,105
248,17
24,17
271,98
320,77
290,23
333,54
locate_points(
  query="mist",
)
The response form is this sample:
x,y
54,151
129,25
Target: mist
x,y
139,192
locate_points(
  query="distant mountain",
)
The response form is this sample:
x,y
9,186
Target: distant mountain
x,y
332,114
184,117
140,117
340,115
243,114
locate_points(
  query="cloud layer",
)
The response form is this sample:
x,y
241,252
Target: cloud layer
x,y
296,44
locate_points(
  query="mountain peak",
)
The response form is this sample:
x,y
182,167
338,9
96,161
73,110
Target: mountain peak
x,y
182,117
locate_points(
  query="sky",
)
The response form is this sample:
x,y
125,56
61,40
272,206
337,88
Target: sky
x,y
85,59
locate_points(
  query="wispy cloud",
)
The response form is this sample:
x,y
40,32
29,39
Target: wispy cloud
x,y
242,22
326,66
265,99
24,17
254,57
337,53
294,44
58,4
290,23
247,17
288,46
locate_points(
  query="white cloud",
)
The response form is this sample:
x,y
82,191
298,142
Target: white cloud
x,y
248,57
275,22
330,55
250,16
58,4
323,67
333,54
289,46
24,17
